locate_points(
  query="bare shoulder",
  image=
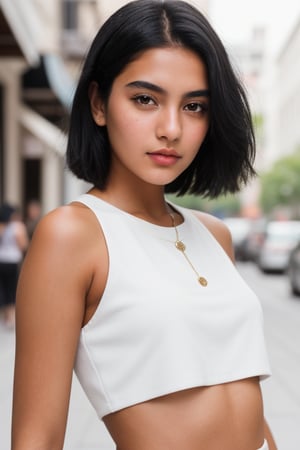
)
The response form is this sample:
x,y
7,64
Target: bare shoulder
x,y
218,229
66,226
71,238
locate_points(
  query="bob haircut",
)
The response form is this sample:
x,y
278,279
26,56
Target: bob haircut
x,y
227,153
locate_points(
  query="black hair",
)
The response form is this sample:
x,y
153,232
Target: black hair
x,y
225,161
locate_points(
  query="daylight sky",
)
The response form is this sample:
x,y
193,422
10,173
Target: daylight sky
x,y
233,19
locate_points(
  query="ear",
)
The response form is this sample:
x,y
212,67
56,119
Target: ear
x,y
97,104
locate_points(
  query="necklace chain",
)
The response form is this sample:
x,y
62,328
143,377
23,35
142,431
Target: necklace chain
x,y
181,247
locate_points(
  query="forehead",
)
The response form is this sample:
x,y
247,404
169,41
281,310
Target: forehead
x,y
175,65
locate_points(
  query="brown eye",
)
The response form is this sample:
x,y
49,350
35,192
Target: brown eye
x,y
144,100
195,107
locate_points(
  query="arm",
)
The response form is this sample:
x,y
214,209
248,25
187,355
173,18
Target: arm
x,y
49,313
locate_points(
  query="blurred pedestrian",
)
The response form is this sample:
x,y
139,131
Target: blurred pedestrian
x,y
13,244
140,295
33,214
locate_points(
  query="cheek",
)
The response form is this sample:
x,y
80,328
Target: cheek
x,y
197,135
125,133
117,125
123,120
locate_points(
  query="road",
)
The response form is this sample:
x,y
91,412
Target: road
x,y
281,392
282,329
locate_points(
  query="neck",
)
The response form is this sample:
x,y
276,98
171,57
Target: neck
x,y
148,204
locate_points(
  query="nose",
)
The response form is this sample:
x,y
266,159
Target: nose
x,y
169,125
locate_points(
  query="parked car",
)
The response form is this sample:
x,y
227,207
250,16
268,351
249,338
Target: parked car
x,y
281,237
294,270
252,243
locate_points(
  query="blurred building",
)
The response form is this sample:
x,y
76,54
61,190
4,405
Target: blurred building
x,y
36,88
17,51
249,59
283,102
288,91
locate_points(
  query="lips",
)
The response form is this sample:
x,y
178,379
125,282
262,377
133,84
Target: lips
x,y
165,152
164,157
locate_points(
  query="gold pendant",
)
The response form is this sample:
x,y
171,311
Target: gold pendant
x,y
180,246
202,281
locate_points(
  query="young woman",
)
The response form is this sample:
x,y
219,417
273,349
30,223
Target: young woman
x,y
139,295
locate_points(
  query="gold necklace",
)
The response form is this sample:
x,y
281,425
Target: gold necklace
x,y
181,247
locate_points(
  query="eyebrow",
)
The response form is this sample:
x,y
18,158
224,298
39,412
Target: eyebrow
x,y
160,90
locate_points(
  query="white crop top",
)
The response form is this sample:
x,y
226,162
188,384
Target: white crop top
x,y
156,329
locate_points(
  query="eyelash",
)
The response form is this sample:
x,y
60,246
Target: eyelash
x,y
203,107
150,102
138,99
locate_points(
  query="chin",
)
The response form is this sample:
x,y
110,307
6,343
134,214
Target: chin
x,y
161,184
162,180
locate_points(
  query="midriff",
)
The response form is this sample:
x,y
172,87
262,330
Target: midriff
x,y
222,417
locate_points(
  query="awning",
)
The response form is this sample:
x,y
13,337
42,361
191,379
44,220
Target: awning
x,y
59,79
16,22
48,89
42,129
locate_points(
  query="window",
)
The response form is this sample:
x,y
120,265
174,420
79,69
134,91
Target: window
x,y
70,14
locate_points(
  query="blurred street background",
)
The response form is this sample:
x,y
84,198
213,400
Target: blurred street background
x,y
42,45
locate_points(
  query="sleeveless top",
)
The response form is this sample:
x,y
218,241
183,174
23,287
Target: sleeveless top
x,y
9,250
156,329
